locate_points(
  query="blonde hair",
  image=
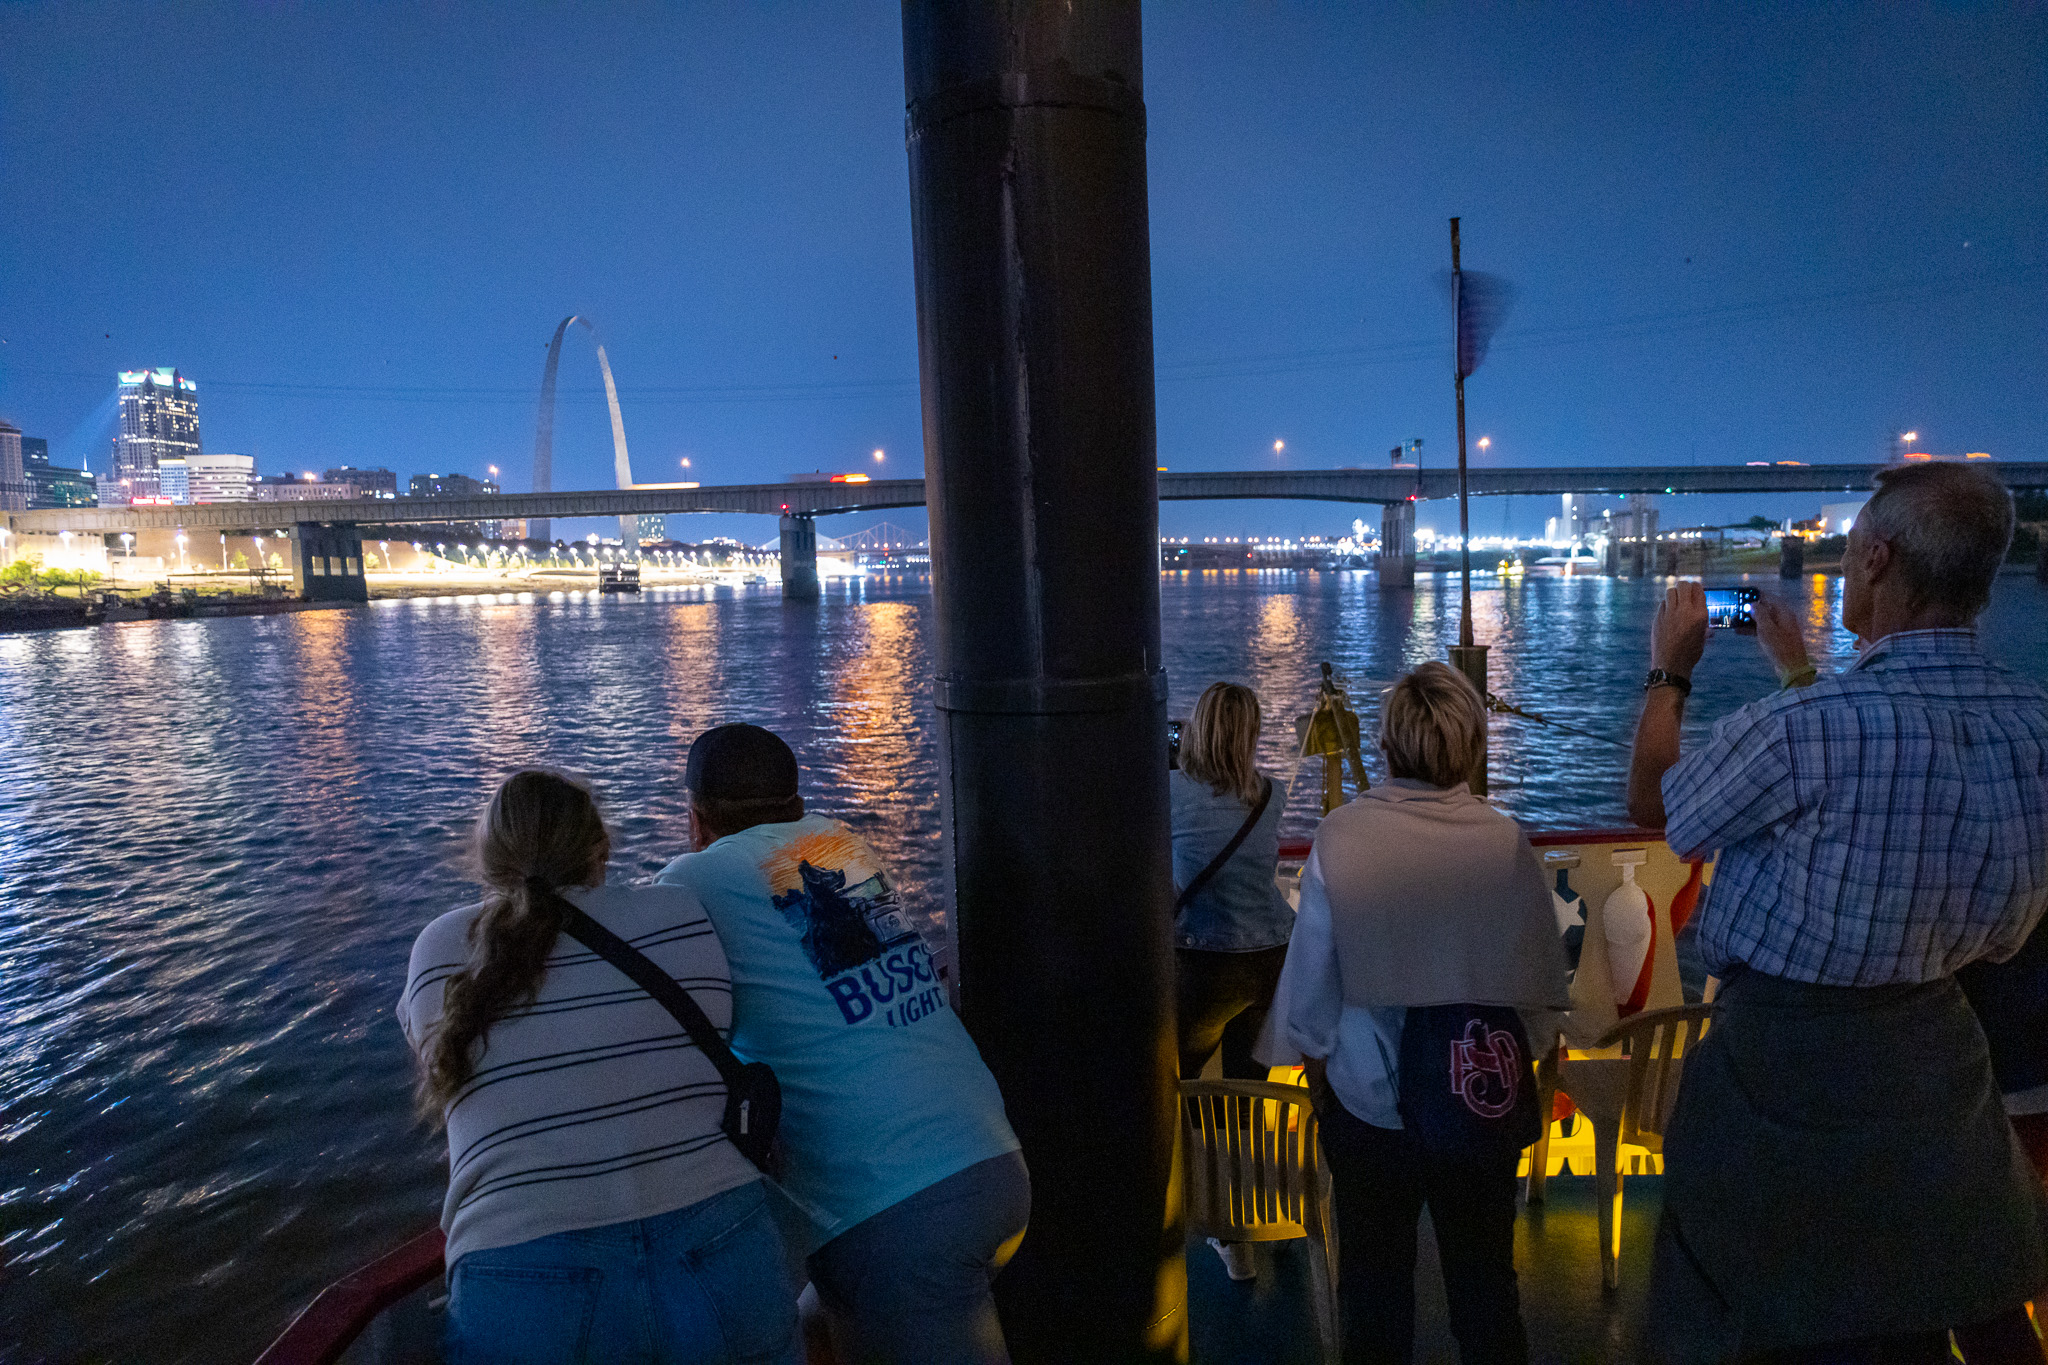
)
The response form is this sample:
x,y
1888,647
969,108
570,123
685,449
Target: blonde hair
x,y
1433,726
1220,745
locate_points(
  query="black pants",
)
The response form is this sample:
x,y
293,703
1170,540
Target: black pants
x,y
1382,1180
1223,998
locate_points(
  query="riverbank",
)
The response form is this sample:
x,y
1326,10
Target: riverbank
x,y
186,596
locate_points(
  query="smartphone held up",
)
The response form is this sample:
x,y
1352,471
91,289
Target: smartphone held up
x,y
1732,609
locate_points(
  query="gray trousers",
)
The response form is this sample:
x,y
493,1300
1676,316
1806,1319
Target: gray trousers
x,y
913,1283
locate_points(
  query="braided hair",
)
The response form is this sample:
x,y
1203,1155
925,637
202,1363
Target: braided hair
x,y
541,832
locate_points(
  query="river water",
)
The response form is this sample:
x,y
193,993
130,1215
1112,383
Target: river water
x,y
218,839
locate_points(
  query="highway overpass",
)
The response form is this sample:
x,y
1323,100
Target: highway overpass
x,y
827,499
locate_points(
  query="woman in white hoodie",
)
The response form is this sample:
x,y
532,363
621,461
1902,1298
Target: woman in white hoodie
x,y
1420,896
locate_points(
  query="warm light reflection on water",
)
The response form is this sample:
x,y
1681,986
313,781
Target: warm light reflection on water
x,y
218,839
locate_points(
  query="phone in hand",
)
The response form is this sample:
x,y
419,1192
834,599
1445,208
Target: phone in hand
x,y
1731,609
1173,744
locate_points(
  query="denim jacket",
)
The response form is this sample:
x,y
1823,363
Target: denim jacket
x,y
1240,910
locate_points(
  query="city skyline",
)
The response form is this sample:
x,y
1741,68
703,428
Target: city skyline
x,y
195,478
1735,235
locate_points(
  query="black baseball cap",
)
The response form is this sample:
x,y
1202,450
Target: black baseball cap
x,y
740,763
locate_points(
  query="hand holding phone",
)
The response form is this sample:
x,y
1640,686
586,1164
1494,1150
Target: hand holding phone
x,y
1778,633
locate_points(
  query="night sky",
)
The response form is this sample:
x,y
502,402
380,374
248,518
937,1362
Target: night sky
x,y
1736,235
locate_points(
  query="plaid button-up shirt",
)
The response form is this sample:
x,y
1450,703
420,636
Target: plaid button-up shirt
x,y
1887,824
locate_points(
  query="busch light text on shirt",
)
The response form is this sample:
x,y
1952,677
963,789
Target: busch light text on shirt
x,y
900,987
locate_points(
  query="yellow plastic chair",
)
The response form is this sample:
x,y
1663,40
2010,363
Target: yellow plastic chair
x,y
1627,1099
1253,1172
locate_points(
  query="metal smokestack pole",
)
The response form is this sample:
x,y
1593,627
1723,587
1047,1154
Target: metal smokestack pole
x,y
1464,497
1026,139
1466,657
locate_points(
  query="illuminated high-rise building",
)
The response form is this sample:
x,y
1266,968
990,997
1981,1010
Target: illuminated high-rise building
x,y
159,421
13,478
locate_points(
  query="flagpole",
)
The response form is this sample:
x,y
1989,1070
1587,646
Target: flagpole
x,y
1464,500
1466,657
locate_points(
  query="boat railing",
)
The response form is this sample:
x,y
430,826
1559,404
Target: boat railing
x,y
331,1323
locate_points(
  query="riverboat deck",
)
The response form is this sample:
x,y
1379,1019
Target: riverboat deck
x,y
1269,1319
1571,1320
388,1313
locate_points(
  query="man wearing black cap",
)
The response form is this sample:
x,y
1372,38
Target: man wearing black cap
x,y
894,1132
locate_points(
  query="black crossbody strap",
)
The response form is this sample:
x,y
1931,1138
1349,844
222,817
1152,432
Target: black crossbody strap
x,y
1244,831
656,983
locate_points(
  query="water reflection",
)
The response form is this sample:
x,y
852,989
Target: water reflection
x,y
218,838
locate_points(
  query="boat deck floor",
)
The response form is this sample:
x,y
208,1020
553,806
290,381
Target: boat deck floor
x,y
1571,1320
1270,1320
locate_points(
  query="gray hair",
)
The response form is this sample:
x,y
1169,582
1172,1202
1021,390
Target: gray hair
x,y
1948,526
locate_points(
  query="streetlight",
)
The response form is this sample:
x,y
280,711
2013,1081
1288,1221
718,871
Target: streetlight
x,y
1485,441
181,551
259,559
128,547
878,457
686,462
1279,446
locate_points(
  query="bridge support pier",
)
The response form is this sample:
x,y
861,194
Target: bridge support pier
x,y
1397,545
327,562
1791,557
799,557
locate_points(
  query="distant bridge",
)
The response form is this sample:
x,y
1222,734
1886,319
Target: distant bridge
x,y
828,499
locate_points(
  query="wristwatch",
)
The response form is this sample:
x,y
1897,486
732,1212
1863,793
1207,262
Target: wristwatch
x,y
1660,678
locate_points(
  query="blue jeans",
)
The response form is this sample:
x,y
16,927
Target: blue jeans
x,y
703,1285
911,1285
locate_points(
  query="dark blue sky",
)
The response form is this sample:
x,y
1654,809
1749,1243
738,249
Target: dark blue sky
x,y
1736,234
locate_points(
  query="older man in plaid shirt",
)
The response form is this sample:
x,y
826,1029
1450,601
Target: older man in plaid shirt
x,y
1843,1184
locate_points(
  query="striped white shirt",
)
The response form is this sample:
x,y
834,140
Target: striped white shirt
x,y
591,1106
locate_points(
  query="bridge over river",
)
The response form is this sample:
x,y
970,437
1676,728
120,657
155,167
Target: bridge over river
x,y
327,532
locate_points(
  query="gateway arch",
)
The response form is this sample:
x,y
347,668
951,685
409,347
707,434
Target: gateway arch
x,y
544,436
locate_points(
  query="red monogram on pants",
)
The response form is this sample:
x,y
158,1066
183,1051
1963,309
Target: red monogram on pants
x,y
1486,1068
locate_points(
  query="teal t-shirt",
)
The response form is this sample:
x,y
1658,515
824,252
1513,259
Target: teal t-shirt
x,y
883,1092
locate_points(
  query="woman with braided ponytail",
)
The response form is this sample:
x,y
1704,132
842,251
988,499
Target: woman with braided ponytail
x,y
595,1208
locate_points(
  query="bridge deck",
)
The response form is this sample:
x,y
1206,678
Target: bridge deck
x,y
826,499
